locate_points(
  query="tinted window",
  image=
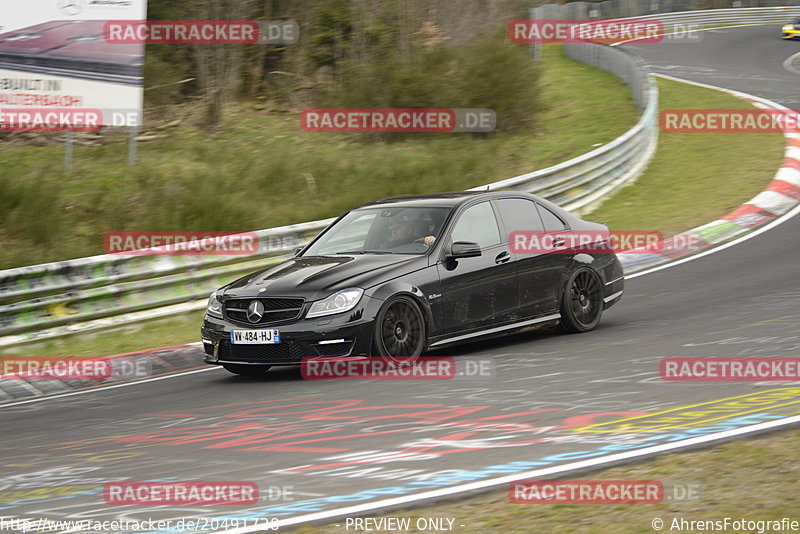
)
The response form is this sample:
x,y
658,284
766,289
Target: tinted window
x,y
478,225
551,222
519,214
382,230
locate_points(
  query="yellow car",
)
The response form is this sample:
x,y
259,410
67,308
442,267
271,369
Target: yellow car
x,y
791,30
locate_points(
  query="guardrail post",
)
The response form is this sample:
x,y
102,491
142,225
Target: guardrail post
x,y
132,146
68,152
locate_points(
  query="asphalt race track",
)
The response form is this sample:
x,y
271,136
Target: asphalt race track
x,y
747,58
344,443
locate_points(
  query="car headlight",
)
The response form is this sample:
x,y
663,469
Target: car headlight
x,y
788,27
214,306
342,301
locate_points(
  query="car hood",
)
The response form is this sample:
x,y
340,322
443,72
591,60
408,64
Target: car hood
x,y
316,277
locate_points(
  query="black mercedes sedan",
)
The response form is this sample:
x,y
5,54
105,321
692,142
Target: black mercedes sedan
x,y
398,276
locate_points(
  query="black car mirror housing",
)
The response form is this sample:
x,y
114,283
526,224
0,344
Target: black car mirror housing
x,y
464,249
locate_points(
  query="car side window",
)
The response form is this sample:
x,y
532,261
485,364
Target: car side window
x,y
520,214
477,224
552,222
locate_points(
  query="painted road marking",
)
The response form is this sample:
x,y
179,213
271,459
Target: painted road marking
x,y
361,509
693,415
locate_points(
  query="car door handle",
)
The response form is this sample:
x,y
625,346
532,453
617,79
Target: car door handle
x,y
559,241
502,257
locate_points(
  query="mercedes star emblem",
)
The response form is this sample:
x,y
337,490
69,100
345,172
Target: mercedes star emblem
x,y
255,311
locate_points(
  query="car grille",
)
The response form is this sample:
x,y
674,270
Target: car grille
x,y
277,353
285,351
275,309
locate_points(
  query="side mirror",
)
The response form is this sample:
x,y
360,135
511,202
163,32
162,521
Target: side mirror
x,y
464,249
298,250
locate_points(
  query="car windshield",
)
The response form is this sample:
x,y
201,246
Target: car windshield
x,y
382,230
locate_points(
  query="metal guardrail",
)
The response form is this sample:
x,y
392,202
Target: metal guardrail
x,y
712,17
54,294
578,184
55,299
683,11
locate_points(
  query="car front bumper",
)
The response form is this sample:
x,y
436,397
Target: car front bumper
x,y
338,335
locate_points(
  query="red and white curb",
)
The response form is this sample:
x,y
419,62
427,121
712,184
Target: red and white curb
x,y
780,196
126,368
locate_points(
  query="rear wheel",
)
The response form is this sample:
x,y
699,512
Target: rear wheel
x,y
246,370
400,333
582,301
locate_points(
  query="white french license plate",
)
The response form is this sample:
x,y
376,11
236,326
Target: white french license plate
x,y
255,337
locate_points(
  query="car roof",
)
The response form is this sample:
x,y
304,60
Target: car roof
x,y
454,199
450,199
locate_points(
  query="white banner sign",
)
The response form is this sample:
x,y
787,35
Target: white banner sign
x,y
55,63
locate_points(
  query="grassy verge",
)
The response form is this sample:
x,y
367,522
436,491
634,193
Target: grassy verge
x,y
752,479
175,330
694,178
261,170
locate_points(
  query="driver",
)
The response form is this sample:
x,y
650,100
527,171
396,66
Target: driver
x,y
419,231
405,232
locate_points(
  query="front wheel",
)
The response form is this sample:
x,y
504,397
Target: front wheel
x,y
400,333
582,301
246,370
